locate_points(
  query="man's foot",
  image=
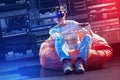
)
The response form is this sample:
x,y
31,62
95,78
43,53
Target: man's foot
x,y
79,67
67,68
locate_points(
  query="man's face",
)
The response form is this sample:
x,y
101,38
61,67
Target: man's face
x,y
58,20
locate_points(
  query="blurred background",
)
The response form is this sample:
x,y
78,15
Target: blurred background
x,y
24,25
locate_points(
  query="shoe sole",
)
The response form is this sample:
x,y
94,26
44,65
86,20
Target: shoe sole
x,y
67,72
80,71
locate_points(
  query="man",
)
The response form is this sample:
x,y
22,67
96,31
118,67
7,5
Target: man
x,y
65,38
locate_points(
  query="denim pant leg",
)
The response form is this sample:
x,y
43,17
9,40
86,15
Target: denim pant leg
x,y
60,48
84,47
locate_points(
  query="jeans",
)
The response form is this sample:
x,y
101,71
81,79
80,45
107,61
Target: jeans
x,y
83,47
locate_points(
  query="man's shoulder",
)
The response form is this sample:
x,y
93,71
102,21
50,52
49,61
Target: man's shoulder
x,y
54,28
71,21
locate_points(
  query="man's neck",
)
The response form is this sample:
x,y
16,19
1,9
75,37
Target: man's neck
x,y
62,24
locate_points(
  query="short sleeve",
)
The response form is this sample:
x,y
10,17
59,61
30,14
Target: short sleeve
x,y
54,32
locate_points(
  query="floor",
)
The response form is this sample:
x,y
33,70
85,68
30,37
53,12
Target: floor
x,y
30,69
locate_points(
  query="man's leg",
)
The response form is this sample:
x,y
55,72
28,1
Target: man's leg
x,y
84,47
60,48
63,54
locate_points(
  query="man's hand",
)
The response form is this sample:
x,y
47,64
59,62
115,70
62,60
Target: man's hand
x,y
86,28
85,25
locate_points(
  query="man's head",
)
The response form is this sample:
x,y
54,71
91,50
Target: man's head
x,y
58,16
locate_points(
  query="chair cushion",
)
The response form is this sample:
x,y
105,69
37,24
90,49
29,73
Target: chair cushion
x,y
99,54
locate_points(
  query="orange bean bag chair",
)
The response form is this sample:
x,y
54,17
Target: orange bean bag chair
x,y
99,54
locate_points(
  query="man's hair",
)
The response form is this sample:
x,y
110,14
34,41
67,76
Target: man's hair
x,y
58,12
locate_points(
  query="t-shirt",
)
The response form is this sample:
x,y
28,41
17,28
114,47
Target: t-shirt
x,y
69,33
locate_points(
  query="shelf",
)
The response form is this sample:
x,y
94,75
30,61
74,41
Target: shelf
x,y
103,11
13,34
40,33
12,7
101,5
93,2
46,8
104,19
13,13
41,27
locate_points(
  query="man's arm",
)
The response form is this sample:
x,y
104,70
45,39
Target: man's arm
x,y
86,28
53,33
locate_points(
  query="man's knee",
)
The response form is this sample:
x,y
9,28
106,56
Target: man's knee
x,y
57,38
87,37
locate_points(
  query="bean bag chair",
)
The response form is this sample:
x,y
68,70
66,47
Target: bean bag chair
x,y
99,54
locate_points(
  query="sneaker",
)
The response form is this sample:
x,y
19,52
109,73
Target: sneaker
x,y
67,68
79,67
